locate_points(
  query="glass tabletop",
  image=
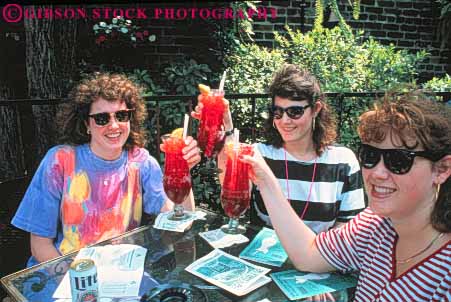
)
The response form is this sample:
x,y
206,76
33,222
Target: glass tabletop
x,y
168,254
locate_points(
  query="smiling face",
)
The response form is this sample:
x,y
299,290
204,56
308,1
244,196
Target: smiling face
x,y
400,196
294,130
107,141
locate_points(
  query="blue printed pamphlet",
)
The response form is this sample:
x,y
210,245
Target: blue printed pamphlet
x,y
265,248
297,285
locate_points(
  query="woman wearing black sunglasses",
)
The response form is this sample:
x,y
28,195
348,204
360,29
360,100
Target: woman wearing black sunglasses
x,y
401,244
322,181
97,185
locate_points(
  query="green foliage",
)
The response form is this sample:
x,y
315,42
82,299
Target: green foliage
x,y
342,61
229,35
439,84
356,9
251,69
182,77
319,14
142,78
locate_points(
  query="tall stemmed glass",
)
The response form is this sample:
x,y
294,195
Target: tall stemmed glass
x,y
176,177
211,135
235,195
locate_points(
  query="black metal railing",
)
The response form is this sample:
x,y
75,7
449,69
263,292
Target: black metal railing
x,y
25,127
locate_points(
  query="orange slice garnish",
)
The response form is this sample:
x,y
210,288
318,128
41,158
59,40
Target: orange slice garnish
x,y
177,133
204,89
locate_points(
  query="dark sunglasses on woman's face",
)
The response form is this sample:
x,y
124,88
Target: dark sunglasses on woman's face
x,y
293,112
397,161
103,118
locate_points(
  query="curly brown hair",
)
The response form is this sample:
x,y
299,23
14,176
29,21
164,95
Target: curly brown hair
x,y
417,121
298,84
73,115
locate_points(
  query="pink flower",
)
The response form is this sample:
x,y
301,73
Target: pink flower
x,y
146,33
139,35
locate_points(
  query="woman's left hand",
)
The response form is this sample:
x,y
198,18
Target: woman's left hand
x,y
191,153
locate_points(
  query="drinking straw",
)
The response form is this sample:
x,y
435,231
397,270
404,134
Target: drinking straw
x,y
185,125
236,139
221,84
236,148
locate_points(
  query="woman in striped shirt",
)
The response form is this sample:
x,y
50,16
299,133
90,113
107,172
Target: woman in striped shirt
x,y
401,244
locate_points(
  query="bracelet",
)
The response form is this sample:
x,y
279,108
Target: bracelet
x,y
229,132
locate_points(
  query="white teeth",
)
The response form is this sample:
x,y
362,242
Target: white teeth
x,y
113,135
383,190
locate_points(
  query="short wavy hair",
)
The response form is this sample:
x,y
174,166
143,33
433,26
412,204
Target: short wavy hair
x,y
417,121
73,116
297,84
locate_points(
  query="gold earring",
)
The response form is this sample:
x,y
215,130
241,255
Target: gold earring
x,y
88,131
437,192
274,124
313,124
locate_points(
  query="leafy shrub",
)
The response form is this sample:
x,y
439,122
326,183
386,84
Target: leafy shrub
x,y
251,68
439,84
342,61
182,77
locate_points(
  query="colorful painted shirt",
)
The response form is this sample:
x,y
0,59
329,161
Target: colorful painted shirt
x,y
80,199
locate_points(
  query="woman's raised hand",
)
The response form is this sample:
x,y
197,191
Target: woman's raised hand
x,y
259,173
227,117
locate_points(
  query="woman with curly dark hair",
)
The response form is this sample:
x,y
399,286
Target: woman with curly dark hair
x,y
400,244
322,181
96,185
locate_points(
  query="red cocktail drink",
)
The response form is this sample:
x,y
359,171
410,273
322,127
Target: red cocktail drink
x,y
235,195
176,178
211,121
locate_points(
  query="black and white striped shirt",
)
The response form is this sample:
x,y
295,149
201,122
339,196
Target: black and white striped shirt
x,y
337,191
368,244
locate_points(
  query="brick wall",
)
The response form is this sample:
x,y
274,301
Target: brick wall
x,y
408,24
405,23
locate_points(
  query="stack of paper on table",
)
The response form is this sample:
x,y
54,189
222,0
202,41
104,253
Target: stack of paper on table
x,y
119,270
229,272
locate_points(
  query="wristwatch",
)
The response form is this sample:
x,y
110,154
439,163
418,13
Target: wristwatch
x,y
229,132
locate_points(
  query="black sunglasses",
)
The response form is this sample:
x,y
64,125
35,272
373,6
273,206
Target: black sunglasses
x,y
103,118
293,112
397,161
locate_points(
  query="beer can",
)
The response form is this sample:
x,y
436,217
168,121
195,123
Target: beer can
x,y
83,281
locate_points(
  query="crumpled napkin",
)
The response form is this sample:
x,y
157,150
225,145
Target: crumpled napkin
x,y
218,239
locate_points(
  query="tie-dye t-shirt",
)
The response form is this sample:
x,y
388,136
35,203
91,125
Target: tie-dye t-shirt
x,y
80,199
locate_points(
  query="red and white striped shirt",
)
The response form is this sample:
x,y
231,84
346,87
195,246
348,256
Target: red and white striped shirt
x,y
367,244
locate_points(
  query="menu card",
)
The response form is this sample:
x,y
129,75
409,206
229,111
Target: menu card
x,y
265,248
297,285
229,272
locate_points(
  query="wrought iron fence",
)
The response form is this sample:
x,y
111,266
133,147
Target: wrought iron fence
x,y
160,107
